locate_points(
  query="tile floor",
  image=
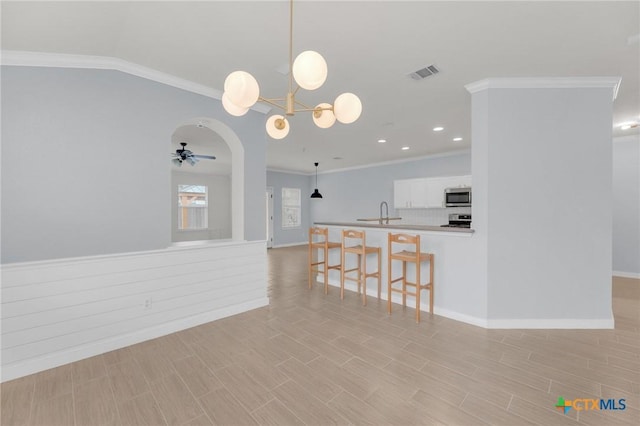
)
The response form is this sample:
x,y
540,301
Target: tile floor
x,y
311,359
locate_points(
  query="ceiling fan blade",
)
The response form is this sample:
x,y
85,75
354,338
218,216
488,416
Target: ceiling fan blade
x,y
208,157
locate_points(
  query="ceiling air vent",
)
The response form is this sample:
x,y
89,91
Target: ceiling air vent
x,y
424,72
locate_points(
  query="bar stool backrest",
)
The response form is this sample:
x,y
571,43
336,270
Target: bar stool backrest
x,y
351,234
410,245
318,235
405,239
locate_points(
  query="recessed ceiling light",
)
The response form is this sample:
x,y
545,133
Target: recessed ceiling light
x,y
457,139
404,148
438,129
382,140
625,126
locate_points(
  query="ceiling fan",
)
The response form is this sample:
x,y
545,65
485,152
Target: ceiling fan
x,y
183,154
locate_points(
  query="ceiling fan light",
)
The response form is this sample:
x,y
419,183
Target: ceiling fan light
x,y
242,89
347,108
277,126
232,108
323,116
310,70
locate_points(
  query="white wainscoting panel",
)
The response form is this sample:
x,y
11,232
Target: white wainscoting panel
x,y
60,311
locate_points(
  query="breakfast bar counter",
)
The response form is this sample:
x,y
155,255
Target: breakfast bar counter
x,y
398,227
455,259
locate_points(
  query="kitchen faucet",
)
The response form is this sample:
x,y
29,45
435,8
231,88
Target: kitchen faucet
x,y
384,203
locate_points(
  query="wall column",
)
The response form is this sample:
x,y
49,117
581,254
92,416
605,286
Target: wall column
x,y
542,171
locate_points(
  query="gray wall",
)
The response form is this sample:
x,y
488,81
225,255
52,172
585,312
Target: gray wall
x,y
85,161
219,206
279,180
626,205
548,192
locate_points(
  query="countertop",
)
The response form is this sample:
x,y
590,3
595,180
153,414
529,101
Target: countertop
x,y
397,226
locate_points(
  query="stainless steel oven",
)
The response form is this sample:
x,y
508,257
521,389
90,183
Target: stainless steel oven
x,y
457,197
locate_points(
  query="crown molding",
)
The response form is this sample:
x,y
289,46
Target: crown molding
x,y
612,83
291,172
465,151
62,60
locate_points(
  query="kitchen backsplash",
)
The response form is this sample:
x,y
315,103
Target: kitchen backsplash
x,y
431,217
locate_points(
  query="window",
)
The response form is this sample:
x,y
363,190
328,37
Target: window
x,y
193,208
291,208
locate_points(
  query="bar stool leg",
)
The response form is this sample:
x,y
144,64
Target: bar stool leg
x,y
342,275
326,270
389,282
310,264
404,283
418,288
379,272
432,285
364,279
360,273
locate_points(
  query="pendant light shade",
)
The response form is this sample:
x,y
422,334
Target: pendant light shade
x,y
277,126
323,116
316,193
310,70
347,108
232,108
242,89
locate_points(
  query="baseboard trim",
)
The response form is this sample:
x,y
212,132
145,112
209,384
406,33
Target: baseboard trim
x,y
509,323
397,299
30,366
553,324
304,243
622,274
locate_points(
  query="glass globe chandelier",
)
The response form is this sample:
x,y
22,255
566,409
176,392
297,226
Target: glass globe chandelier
x,y
309,70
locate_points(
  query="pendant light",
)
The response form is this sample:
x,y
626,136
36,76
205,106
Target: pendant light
x,y
316,193
309,72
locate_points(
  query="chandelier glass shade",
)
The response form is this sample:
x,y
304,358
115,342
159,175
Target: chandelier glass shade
x,y
309,71
277,126
232,108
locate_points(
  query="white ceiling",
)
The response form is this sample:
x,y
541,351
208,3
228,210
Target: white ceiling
x,y
370,47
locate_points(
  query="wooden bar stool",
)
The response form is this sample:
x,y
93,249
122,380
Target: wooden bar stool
x,y
319,239
362,250
415,256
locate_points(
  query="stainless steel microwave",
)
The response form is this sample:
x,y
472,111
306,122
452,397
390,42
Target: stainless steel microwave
x,y
457,197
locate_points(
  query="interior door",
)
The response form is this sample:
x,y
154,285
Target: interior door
x,y
269,210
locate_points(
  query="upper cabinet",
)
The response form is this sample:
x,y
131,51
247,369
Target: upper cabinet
x,y
425,193
410,193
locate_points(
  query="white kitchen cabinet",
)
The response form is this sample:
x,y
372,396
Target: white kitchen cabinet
x,y
459,181
425,192
410,193
435,191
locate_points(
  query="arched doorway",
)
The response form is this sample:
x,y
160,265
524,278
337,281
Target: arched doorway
x,y
218,133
